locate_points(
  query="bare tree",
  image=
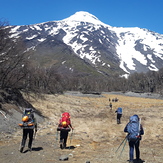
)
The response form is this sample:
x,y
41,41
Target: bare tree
x,y
13,61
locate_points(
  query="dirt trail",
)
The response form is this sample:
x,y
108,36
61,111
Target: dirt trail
x,y
96,135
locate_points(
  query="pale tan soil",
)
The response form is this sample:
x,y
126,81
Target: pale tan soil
x,y
96,136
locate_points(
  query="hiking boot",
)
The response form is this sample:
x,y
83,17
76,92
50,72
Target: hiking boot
x,y
61,144
64,146
30,149
21,149
139,160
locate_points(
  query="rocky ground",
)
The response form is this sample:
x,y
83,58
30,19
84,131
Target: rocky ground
x,y
96,136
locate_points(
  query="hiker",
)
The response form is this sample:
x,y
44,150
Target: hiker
x,y
110,105
134,130
116,99
119,115
64,127
28,125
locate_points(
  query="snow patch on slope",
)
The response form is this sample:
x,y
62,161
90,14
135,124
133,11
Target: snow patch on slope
x,y
126,47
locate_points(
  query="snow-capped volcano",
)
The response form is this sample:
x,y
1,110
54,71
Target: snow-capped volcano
x,y
83,16
106,48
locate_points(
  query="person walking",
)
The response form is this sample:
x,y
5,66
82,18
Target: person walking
x,y
64,127
119,115
29,125
134,130
110,105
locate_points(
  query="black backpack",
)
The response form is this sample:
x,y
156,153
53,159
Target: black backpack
x,y
28,121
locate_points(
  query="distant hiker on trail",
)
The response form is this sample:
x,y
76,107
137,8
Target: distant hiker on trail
x,y
134,130
28,125
116,99
64,127
110,105
119,115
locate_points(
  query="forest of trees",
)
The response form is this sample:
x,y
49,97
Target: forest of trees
x,y
17,72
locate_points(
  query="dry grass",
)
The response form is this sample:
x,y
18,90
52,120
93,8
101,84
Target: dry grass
x,y
96,128
149,110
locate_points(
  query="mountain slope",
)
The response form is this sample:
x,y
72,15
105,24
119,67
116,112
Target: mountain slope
x,y
106,49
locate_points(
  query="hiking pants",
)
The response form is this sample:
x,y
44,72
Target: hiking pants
x,y
25,134
64,136
133,144
119,118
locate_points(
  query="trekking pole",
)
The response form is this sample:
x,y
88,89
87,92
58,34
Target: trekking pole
x,y
139,125
123,148
121,144
71,138
34,136
56,137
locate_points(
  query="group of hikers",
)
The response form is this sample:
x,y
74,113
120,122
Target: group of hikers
x,y
29,126
133,128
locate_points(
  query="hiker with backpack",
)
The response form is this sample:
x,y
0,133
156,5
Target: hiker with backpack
x,y
64,127
28,125
119,115
110,105
134,130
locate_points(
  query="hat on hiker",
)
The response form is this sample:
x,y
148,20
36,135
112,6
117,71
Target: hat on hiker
x,y
25,119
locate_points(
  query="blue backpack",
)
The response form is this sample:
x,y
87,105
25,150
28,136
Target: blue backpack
x,y
133,128
119,110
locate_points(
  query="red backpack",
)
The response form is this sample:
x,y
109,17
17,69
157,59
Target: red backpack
x,y
64,122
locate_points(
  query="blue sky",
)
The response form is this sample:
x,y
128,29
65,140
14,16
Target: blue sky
x,y
118,13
